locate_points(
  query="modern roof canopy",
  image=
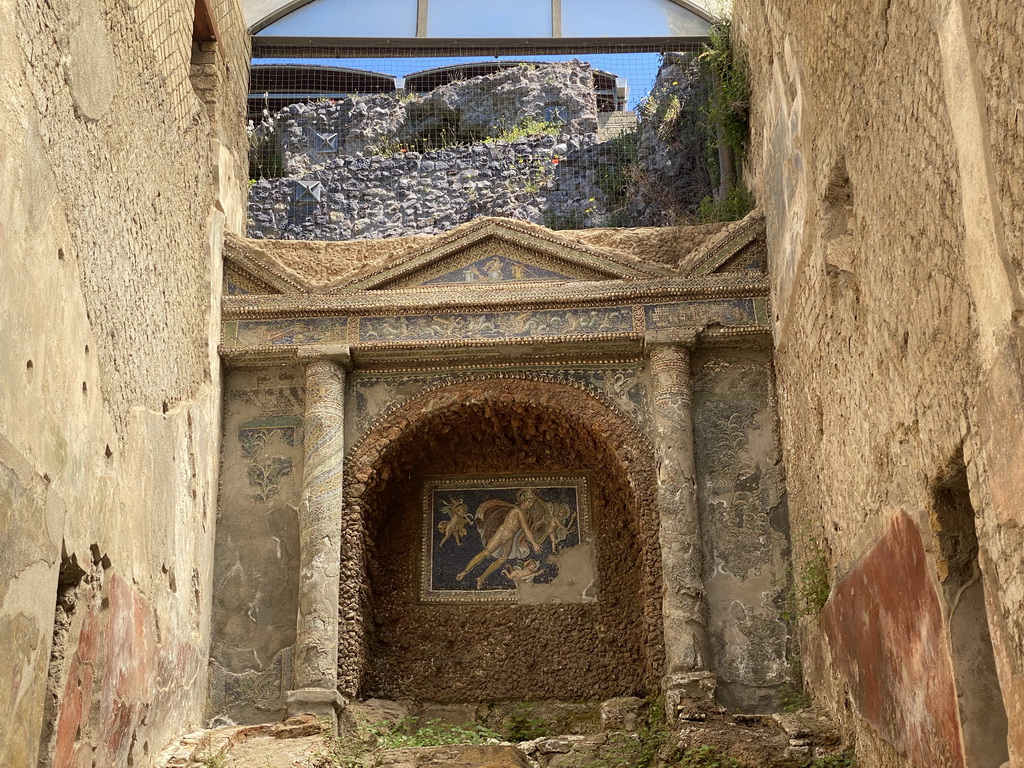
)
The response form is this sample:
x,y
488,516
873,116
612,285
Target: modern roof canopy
x,y
422,24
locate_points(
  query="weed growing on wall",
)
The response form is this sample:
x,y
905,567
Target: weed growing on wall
x,y
842,760
644,749
812,583
350,751
727,113
729,108
525,129
522,724
707,757
733,207
206,757
793,698
265,158
617,176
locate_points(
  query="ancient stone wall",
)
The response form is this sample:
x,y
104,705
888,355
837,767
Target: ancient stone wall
x,y
522,143
109,379
549,180
885,151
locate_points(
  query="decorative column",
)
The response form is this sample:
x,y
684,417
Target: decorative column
x,y
315,658
688,681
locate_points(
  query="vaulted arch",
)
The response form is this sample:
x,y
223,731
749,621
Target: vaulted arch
x,y
496,426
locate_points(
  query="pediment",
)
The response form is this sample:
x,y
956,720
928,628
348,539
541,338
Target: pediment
x,y
740,247
246,271
497,253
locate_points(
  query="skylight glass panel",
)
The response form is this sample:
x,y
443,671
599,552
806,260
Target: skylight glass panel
x,y
636,18
348,18
489,18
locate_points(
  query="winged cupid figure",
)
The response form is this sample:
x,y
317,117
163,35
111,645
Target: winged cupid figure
x,y
506,529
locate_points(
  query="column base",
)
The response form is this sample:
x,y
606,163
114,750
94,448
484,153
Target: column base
x,y
320,702
689,695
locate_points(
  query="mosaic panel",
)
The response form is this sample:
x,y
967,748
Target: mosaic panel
x,y
301,330
265,468
507,539
497,269
684,314
497,325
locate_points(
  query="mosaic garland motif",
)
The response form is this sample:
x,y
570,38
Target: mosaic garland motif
x,y
373,394
685,314
523,539
266,469
496,325
300,330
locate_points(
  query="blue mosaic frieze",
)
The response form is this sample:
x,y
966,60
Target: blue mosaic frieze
x,y
497,325
685,314
302,330
482,326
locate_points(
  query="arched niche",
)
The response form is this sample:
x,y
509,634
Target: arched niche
x,y
393,645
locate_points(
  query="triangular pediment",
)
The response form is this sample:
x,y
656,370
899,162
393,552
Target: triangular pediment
x,y
246,271
497,252
740,247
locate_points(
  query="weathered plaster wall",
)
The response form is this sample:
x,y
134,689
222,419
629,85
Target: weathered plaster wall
x,y
256,571
886,153
109,379
745,526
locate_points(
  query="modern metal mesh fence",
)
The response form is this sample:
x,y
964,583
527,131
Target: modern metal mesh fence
x,y
386,142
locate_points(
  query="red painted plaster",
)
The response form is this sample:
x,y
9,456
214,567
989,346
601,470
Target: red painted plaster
x,y
137,688
884,624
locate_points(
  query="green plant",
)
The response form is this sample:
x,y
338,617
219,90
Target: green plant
x,y
842,760
733,207
525,128
409,732
206,757
811,584
341,752
729,107
706,757
642,749
523,725
570,220
794,698
616,173
265,158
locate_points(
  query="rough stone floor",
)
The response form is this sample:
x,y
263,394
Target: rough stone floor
x,y
791,740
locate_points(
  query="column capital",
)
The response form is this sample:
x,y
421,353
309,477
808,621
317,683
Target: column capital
x,y
674,337
339,354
